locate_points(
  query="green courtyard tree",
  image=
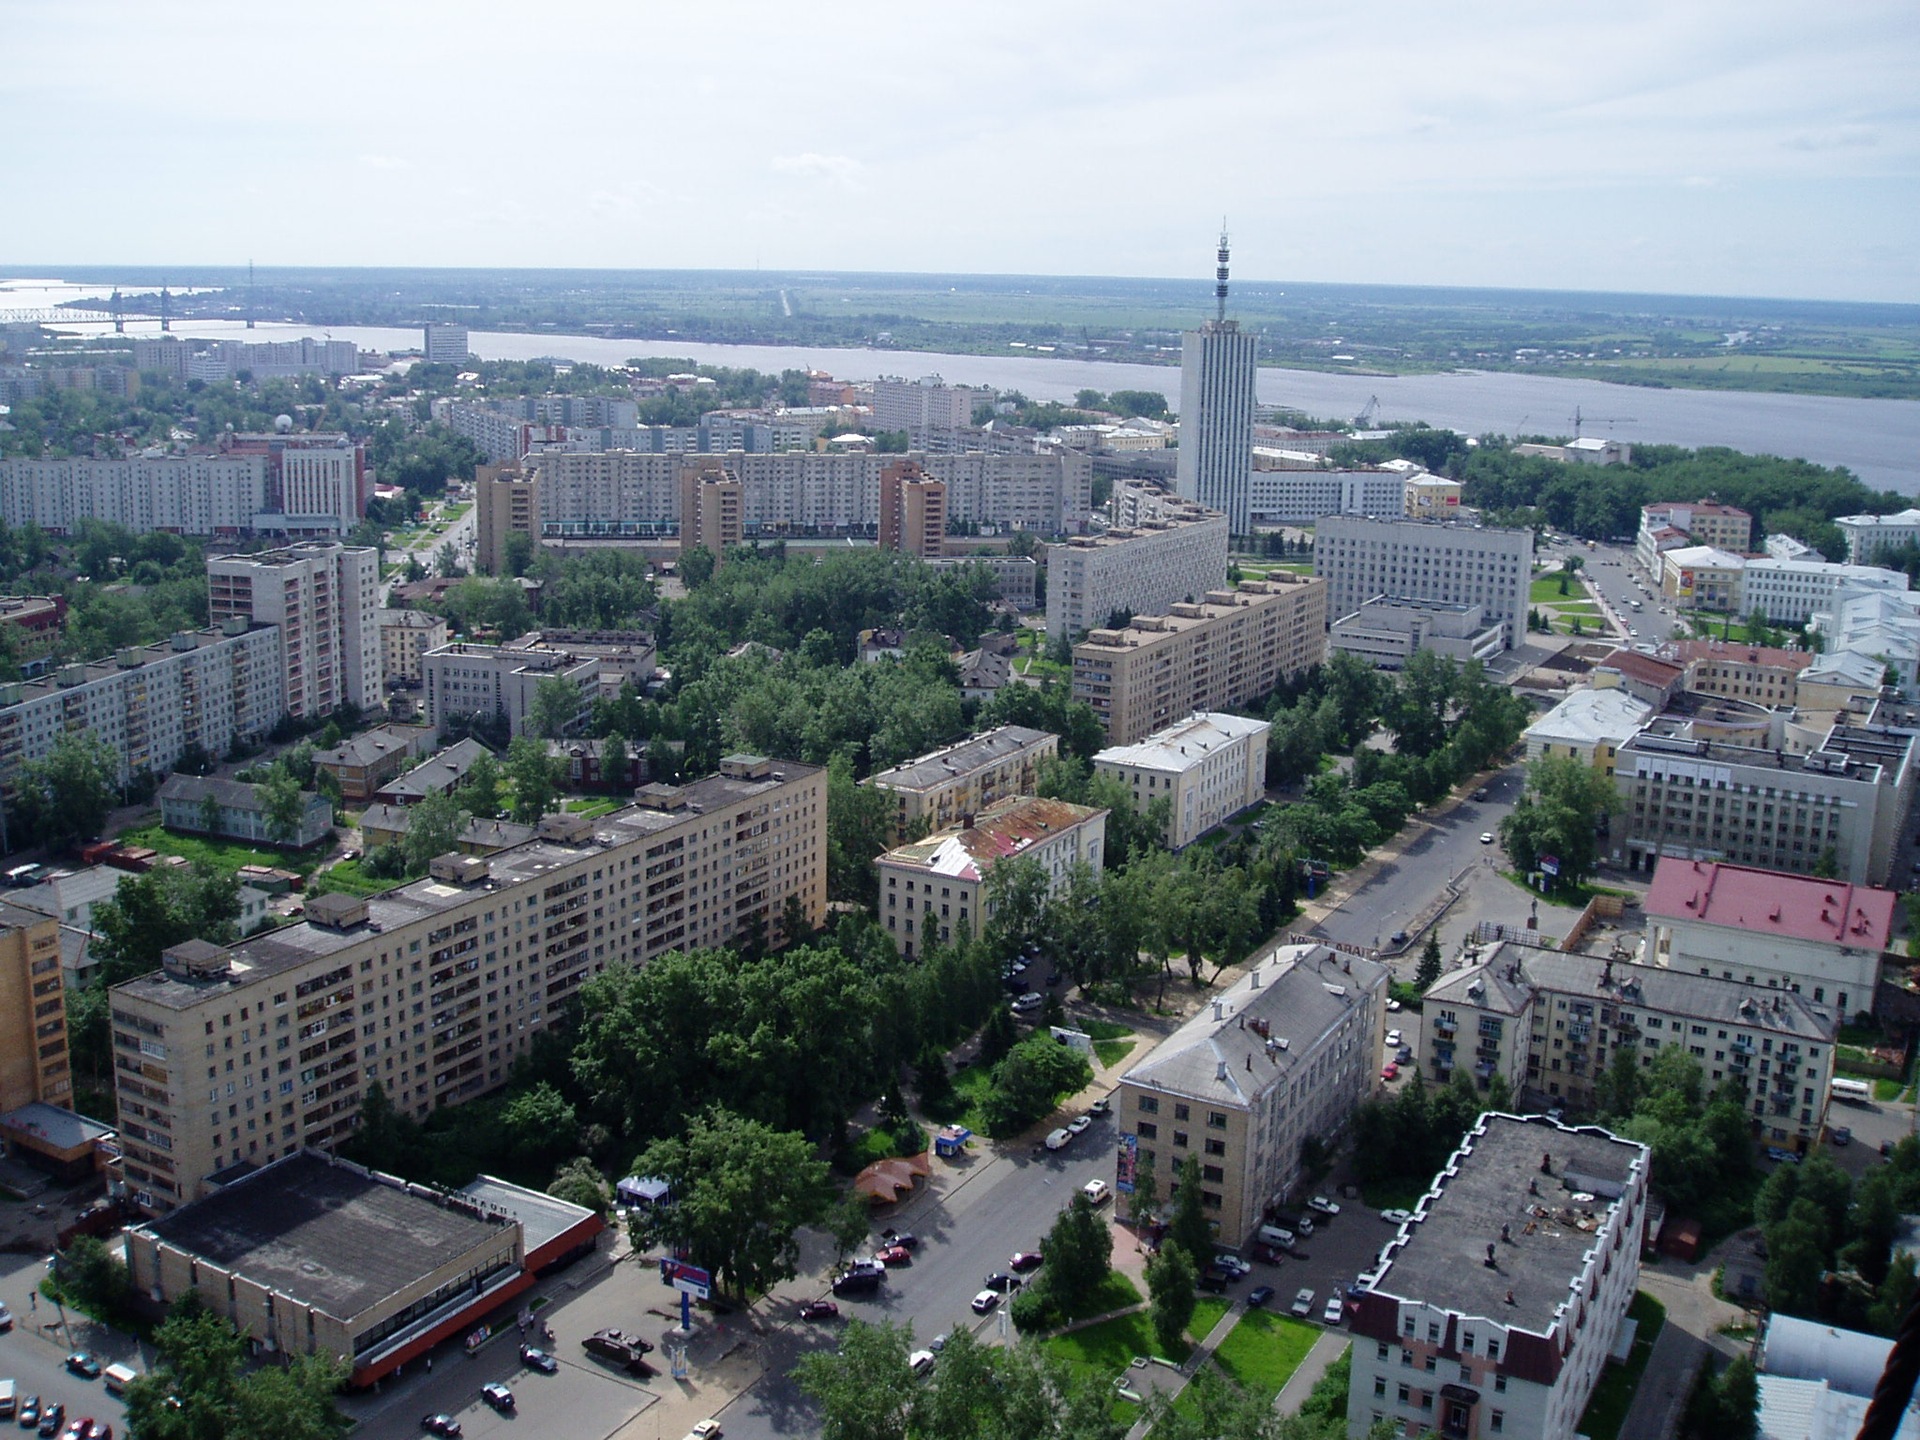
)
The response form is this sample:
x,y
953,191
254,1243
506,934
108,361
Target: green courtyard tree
x,y
556,709
150,912
433,829
579,1182
863,1388
479,792
1171,1279
66,795
531,770
1188,1226
284,805
1143,1206
1030,1080
1558,816
743,1192
1428,973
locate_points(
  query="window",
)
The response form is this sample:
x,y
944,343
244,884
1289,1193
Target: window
x,y
1497,1421
1179,1138
1149,1105
1216,1120
1147,1130
1181,1112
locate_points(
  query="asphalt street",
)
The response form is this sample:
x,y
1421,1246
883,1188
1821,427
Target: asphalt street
x,y
33,1353
1610,569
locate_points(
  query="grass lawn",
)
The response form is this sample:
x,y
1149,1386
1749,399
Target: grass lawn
x,y
591,807
226,856
1886,1089
1111,1052
1102,1351
1106,1030
1116,1292
1607,1410
347,876
878,1143
1261,1353
1207,1310
970,1087
454,512
1546,590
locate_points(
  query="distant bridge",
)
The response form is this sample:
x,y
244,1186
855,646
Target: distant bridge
x,y
60,315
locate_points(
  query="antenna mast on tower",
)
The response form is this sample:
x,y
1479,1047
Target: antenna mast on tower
x,y
1220,277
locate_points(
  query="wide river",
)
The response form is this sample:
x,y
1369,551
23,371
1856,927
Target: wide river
x,y
1879,440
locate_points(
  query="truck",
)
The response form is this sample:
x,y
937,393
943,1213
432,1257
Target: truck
x,y
1853,1092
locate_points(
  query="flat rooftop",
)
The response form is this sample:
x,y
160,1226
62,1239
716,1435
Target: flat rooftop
x,y
543,1219
1441,1259
1183,744
329,1235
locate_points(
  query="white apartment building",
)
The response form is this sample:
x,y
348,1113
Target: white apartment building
x,y
939,788
1701,522
1788,592
500,681
444,344
928,403
1144,570
318,490
1208,767
1873,624
1389,629
1283,1056
1362,557
1511,1344
501,437
1286,495
1826,939
150,702
628,492
217,360
325,597
931,887
242,1054
1871,536
190,494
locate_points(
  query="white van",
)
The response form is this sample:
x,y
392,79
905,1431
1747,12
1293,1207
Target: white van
x,y
1275,1236
9,1399
1058,1139
1096,1192
118,1378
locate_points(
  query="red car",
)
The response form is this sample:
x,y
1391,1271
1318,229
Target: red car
x,y
1025,1260
1390,1071
819,1310
895,1255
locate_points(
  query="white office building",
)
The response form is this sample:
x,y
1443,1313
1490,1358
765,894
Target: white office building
x,y
1208,767
1290,496
1788,592
1871,536
445,345
1362,557
499,682
1389,629
1145,570
1218,364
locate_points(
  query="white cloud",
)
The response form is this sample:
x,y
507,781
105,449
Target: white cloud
x,y
1835,137
842,170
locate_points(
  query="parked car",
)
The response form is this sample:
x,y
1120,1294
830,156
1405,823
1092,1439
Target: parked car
x,y
537,1359
1006,1284
1394,1037
1394,1007
1058,1139
1403,1056
1097,1192
1482,793
704,1430
920,1362
1303,1303
6,1319
1227,1260
819,1310
1779,1156
1321,1205
1079,1124
1396,1217
1267,1254
498,1396
30,1412
1102,1106
1334,1311
51,1418
440,1424
894,1255
1032,1000
1259,1296
1220,1274
1025,1260
906,1240
1390,1071
82,1364
985,1301
1842,1135
857,1282
1399,937
1486,837
1299,1224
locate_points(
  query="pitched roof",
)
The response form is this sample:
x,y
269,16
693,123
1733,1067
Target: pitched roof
x,y
1767,902
999,832
1183,744
228,794
1648,669
1733,654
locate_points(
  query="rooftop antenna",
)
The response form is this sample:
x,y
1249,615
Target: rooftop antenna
x,y
250,305
1220,277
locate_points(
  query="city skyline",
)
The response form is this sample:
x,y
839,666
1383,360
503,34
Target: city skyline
x,y
1710,149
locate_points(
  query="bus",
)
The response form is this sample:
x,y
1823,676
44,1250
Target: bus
x,y
1854,1092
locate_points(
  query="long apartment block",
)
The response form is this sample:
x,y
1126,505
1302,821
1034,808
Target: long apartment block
x,y
633,492
1178,555
1230,649
150,702
238,1055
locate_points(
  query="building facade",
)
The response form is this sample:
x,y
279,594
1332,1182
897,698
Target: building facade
x,y
361,764
33,1012
1871,536
913,510
1228,651
1701,577
937,789
1284,1056
1207,767
1362,557
928,403
1788,592
1218,363
405,637
1388,630
1825,939
1290,494
325,599
1703,522
444,344
187,494
500,682
310,1014
506,501
956,860
151,702
1513,1345
1178,556
1762,674
234,810
1589,726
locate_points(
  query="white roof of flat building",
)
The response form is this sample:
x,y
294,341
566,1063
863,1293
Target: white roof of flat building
x,y
1591,717
1706,557
1184,744
1848,1360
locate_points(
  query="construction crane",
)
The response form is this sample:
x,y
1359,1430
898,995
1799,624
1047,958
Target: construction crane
x,y
1577,419
1361,421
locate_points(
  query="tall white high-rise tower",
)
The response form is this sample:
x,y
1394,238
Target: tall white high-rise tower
x,y
1217,366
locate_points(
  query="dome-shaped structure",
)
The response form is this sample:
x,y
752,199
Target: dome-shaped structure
x,y
283,423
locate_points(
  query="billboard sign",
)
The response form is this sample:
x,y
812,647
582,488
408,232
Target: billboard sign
x,y
688,1279
1126,1164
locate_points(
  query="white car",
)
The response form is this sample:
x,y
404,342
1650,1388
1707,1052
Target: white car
x,y
705,1430
1393,1039
1334,1311
920,1362
1486,837
1032,1000
1396,1217
1321,1205
985,1301
1079,1124
1096,1192
1303,1303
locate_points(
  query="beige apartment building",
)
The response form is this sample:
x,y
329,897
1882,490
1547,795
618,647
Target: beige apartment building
x,y
405,636
913,510
711,498
506,499
1283,1056
1176,556
1763,674
33,1011
1207,767
241,1054
325,598
1229,650
949,868
938,788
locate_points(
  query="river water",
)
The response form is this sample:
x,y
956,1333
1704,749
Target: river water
x,y
1879,440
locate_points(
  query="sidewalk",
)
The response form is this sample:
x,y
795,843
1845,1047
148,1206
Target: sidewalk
x,y
1196,1361
1331,1345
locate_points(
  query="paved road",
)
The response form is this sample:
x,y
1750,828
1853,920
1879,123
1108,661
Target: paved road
x,y
35,1357
1611,570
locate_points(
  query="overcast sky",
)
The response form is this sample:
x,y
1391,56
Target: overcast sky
x,y
1695,146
